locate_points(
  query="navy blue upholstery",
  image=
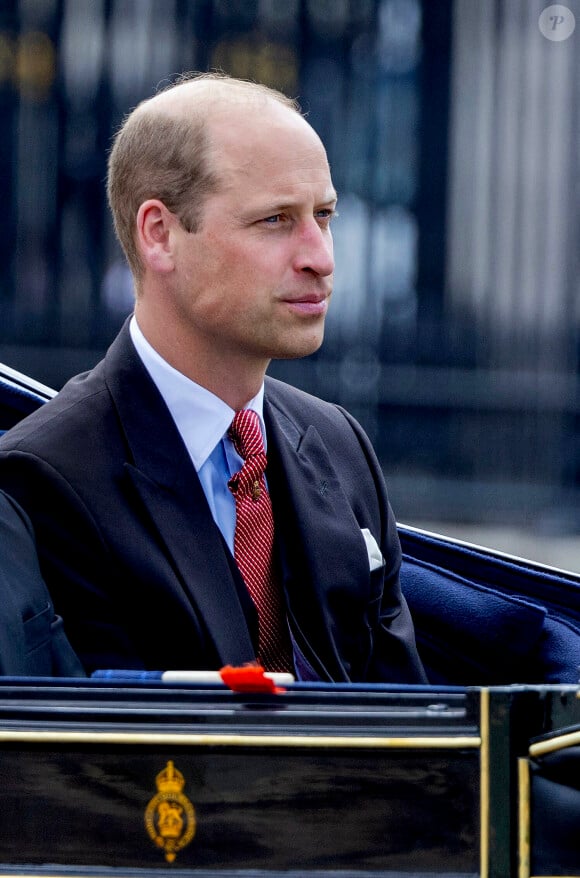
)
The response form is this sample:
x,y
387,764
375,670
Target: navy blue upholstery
x,y
482,618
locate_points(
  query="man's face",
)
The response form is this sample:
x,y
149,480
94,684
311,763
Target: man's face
x,y
254,282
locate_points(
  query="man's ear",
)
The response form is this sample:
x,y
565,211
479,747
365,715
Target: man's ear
x,y
154,239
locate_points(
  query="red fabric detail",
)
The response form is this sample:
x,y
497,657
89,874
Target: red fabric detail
x,y
249,678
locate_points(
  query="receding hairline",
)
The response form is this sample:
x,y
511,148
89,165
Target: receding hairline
x,y
201,96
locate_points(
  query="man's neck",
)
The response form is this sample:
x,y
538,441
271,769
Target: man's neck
x,y
234,380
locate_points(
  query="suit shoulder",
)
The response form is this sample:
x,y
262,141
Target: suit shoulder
x,y
79,396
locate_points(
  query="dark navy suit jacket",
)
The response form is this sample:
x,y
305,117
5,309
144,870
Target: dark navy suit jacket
x,y
32,637
139,570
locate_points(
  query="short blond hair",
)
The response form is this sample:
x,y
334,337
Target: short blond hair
x,y
166,155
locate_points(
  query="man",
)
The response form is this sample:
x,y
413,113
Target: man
x,y
222,200
32,639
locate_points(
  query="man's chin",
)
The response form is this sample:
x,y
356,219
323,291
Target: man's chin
x,y
298,352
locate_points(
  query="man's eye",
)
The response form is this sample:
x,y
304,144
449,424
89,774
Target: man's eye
x,y
326,213
272,220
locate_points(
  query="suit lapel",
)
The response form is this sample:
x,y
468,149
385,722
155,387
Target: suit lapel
x,y
161,472
321,548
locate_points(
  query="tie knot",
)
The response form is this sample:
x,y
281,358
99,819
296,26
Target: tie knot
x,y
246,434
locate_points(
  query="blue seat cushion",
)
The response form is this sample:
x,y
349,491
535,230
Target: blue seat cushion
x,y
484,620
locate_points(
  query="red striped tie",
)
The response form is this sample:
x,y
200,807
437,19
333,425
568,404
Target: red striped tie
x,y
254,539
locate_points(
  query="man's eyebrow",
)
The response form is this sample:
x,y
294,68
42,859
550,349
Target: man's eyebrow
x,y
273,207
288,204
331,197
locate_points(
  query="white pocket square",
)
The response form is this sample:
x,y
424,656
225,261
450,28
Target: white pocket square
x,y
376,559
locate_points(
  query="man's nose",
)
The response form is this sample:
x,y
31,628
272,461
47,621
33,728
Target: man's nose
x,y
315,251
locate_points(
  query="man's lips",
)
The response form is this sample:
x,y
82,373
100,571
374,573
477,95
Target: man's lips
x,y
312,304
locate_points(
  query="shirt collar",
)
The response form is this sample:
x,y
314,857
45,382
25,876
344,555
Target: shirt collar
x,y
201,417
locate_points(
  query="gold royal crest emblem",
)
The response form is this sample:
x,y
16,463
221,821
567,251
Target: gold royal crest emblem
x,y
170,816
